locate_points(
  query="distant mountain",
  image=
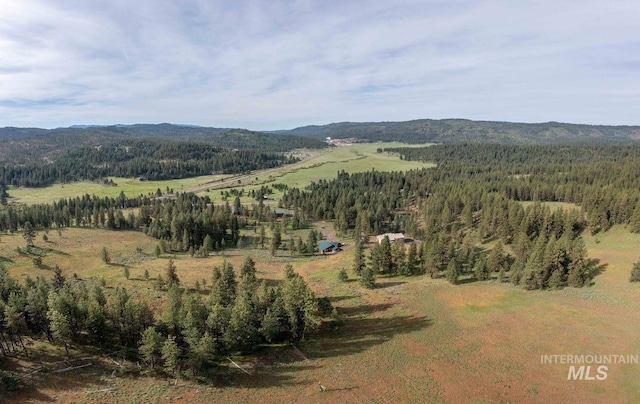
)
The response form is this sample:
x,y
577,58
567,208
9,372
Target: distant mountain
x,y
462,130
32,145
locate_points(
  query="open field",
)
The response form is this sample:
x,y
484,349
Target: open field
x,y
323,164
131,187
552,205
409,340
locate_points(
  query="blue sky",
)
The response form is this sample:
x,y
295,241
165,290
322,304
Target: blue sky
x,y
281,64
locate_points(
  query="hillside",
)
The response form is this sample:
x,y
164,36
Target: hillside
x,y
33,145
462,130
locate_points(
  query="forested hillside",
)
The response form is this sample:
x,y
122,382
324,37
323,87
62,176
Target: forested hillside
x,y
462,130
149,159
32,145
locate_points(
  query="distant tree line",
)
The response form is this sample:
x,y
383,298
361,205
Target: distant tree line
x,y
148,159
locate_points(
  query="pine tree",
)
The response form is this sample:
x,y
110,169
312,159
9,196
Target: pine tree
x,y
496,257
276,239
412,264
385,258
249,268
207,245
106,258
170,354
151,346
481,271
28,233
358,259
242,333
367,278
343,276
172,274
453,272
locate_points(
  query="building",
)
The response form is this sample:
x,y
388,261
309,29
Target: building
x,y
280,213
329,247
392,237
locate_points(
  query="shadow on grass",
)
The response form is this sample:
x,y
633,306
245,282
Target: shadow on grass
x,y
361,331
388,284
471,279
39,372
594,268
365,309
334,299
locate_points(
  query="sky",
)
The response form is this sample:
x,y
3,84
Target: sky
x,y
274,64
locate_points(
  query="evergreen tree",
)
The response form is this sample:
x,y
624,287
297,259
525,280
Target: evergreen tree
x,y
28,233
481,271
106,258
367,278
385,258
453,272
412,265
170,354
172,274
249,269
358,259
150,346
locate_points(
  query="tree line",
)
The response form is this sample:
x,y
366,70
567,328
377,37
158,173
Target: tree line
x,y
191,334
147,159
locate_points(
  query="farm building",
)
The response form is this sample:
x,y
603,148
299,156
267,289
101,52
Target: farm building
x,y
392,237
279,213
329,247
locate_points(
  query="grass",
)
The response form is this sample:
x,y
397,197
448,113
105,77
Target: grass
x,y
131,187
321,165
552,205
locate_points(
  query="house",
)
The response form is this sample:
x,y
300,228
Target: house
x,y
329,247
279,213
392,237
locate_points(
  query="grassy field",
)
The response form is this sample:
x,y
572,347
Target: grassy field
x,y
131,187
409,340
320,165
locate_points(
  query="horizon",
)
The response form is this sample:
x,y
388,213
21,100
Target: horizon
x,y
88,125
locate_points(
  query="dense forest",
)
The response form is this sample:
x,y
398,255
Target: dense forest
x,y
148,159
33,146
463,130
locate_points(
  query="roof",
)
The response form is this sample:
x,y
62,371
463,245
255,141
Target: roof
x,y
392,237
325,245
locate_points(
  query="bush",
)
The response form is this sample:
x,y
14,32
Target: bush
x,y
9,382
635,273
343,276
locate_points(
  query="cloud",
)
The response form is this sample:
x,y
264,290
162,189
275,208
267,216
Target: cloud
x,y
267,65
